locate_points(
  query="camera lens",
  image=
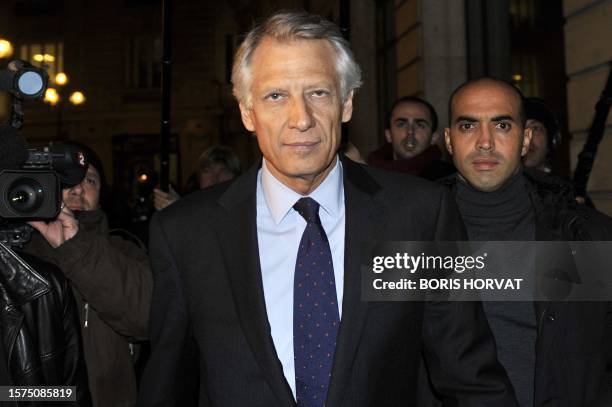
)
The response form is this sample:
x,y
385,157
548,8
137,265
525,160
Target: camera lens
x,y
25,195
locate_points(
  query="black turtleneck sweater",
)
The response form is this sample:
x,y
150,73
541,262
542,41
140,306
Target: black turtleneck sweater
x,y
506,214
503,214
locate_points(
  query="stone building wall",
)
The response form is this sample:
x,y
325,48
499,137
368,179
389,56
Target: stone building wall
x,y
588,51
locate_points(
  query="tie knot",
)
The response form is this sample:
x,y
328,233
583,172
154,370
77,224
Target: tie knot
x,y
309,209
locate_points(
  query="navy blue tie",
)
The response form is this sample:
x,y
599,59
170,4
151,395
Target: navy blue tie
x,y
315,310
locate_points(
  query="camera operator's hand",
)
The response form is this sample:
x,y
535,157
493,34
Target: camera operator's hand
x,y
59,230
162,199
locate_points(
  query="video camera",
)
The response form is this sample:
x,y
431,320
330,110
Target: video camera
x,y
31,179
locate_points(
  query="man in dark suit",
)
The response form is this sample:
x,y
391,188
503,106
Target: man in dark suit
x,y
258,281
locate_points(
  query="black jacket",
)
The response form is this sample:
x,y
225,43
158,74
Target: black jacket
x,y
112,284
40,328
574,344
208,291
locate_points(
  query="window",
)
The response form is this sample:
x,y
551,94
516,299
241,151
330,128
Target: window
x,y
38,7
525,73
141,2
144,56
48,54
522,13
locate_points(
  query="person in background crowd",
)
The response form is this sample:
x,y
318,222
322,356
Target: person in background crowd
x,y
215,165
112,282
351,151
546,135
412,138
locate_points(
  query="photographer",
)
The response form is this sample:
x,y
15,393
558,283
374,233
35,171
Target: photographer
x,y
112,282
41,343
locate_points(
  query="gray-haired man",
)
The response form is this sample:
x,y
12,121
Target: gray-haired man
x,y
259,279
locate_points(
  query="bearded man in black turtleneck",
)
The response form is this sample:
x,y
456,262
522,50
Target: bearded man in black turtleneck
x,y
556,354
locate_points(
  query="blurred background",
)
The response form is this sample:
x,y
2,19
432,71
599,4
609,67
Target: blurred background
x,y
104,63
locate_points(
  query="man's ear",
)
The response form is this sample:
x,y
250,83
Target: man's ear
x,y
388,136
434,138
447,141
527,135
347,108
247,117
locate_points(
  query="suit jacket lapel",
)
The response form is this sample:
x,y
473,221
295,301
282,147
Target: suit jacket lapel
x,y
238,239
364,222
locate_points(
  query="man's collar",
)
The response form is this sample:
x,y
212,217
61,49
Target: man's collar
x,y
280,198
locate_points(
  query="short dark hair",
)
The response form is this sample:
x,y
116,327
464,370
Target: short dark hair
x,y
414,99
219,155
508,85
536,109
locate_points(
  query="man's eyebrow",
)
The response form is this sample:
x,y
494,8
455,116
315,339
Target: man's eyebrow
x,y
416,119
503,117
466,119
267,91
321,84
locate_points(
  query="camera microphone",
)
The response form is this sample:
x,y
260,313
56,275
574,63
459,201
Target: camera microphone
x,y
67,160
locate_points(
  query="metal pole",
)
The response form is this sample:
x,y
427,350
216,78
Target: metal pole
x,y
586,158
166,93
60,118
345,19
345,29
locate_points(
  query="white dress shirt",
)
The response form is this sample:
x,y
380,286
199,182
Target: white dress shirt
x,y
279,231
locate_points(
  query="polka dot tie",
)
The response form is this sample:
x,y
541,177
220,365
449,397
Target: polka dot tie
x,y
315,310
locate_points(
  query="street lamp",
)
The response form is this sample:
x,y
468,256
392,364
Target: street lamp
x,y
43,58
77,98
6,48
61,79
53,97
6,51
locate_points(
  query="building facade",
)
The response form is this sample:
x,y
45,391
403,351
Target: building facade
x,y
588,30
112,52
